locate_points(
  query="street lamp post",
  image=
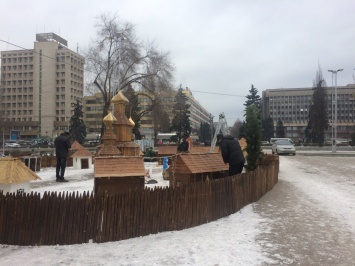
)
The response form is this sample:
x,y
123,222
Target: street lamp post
x,y
335,120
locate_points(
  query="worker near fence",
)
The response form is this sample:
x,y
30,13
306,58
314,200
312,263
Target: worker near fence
x,y
62,145
231,153
184,145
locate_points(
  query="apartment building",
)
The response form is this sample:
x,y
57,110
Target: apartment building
x,y
92,108
39,85
292,107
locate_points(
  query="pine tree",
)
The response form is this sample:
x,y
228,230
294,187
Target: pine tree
x,y
77,126
241,133
205,132
132,110
253,137
268,128
352,137
253,98
280,130
318,114
181,114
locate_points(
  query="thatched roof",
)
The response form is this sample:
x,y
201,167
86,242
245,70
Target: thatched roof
x,y
13,170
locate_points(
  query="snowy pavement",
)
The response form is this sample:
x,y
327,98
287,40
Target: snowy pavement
x,y
307,219
310,216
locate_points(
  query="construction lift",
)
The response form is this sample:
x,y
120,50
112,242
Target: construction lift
x,y
222,127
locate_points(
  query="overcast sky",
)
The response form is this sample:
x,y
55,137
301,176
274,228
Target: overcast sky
x,y
217,46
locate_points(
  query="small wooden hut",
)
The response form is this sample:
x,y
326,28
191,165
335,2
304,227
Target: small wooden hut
x,y
82,158
117,174
15,176
188,168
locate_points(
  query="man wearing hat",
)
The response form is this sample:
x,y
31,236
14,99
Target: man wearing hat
x,y
62,145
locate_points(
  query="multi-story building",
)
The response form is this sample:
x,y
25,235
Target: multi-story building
x,y
92,108
38,86
93,115
198,113
291,106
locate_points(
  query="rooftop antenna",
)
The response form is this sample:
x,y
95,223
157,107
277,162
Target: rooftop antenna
x,y
77,47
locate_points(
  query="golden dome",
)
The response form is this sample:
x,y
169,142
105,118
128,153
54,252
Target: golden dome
x,y
131,121
109,119
119,97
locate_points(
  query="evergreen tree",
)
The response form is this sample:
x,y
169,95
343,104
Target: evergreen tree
x,y
280,130
181,114
133,111
205,133
268,128
253,137
318,113
308,137
253,98
242,133
352,137
164,122
77,126
234,130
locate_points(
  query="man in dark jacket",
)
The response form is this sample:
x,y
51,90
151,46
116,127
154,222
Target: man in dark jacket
x,y
183,146
62,145
231,153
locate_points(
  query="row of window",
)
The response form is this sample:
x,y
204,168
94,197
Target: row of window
x,y
17,75
16,59
16,68
16,98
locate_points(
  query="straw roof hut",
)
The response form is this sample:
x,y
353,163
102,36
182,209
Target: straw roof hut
x,y
15,176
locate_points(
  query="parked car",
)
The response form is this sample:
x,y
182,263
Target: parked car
x,y
283,147
273,140
12,145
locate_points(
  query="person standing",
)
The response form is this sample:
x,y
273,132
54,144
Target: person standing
x,y
183,146
231,153
62,145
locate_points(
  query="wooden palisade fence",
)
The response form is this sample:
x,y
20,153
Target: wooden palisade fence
x,y
73,218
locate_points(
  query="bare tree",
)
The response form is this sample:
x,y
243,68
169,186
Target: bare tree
x,y
117,60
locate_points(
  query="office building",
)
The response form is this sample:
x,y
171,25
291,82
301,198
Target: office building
x,y
39,85
291,106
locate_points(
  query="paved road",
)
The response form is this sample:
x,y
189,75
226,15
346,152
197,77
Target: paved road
x,y
310,213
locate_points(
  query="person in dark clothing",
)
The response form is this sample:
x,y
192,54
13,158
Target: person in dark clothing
x,y
62,145
183,146
231,153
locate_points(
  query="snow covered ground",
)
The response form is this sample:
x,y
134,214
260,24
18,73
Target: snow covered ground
x,y
307,219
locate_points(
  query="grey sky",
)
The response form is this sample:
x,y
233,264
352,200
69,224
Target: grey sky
x,y
217,46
